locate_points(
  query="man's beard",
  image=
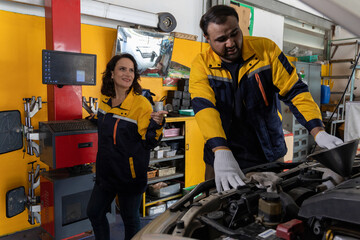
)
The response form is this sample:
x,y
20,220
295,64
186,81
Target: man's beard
x,y
233,55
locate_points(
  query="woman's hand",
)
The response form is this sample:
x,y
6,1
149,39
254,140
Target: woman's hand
x,y
158,116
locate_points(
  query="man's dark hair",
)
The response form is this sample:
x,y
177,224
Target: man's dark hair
x,y
107,87
216,14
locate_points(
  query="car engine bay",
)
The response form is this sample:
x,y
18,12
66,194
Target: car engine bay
x,y
302,200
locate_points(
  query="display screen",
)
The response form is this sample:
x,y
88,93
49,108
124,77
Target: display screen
x,y
68,68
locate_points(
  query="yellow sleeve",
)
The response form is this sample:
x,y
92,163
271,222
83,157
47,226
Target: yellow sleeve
x,y
203,101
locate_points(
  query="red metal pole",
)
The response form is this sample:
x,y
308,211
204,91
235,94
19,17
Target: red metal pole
x,y
63,33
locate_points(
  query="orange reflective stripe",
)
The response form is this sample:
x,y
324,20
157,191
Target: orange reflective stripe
x,y
261,89
131,162
115,127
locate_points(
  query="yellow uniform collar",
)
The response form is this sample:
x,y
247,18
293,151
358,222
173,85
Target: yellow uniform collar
x,y
125,106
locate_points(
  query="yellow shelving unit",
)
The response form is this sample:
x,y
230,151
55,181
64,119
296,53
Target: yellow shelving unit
x,y
193,158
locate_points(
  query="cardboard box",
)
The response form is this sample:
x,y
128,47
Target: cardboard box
x,y
165,171
289,140
184,36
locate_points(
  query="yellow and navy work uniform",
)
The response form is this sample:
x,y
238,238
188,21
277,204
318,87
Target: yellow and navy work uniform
x,y
245,115
126,134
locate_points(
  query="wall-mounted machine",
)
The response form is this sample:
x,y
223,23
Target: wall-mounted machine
x,y
65,194
68,147
68,143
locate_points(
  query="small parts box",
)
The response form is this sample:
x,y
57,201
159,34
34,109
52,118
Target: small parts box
x,y
151,173
156,209
165,171
159,154
171,202
188,112
170,153
312,58
162,189
172,132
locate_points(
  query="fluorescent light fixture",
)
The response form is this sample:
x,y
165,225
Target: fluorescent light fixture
x,y
118,13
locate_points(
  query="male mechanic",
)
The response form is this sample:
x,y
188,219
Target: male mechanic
x,y
235,87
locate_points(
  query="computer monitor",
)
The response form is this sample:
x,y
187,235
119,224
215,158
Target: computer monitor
x,y
68,68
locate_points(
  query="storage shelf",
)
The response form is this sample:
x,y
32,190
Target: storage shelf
x,y
172,138
165,178
338,121
163,199
155,160
149,201
341,60
335,77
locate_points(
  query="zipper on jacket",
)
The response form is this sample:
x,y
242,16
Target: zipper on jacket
x,y
103,119
261,89
131,163
114,133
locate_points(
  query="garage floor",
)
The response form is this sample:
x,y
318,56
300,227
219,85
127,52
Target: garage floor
x,y
116,232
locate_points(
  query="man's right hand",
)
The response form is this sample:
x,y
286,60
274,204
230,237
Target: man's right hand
x,y
227,170
325,140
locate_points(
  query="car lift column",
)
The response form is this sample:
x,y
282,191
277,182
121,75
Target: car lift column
x,y
63,33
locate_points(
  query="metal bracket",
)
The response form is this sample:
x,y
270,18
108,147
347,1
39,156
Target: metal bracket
x,y
31,106
32,136
90,106
34,214
32,200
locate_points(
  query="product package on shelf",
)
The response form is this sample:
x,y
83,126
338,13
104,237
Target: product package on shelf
x,y
162,189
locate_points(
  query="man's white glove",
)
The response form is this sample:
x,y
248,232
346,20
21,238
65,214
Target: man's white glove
x,y
227,171
325,140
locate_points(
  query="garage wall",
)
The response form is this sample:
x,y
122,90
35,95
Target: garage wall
x,y
23,38
22,29
106,13
269,25
21,42
186,12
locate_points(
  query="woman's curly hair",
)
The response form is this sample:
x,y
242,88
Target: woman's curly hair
x,y
108,87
